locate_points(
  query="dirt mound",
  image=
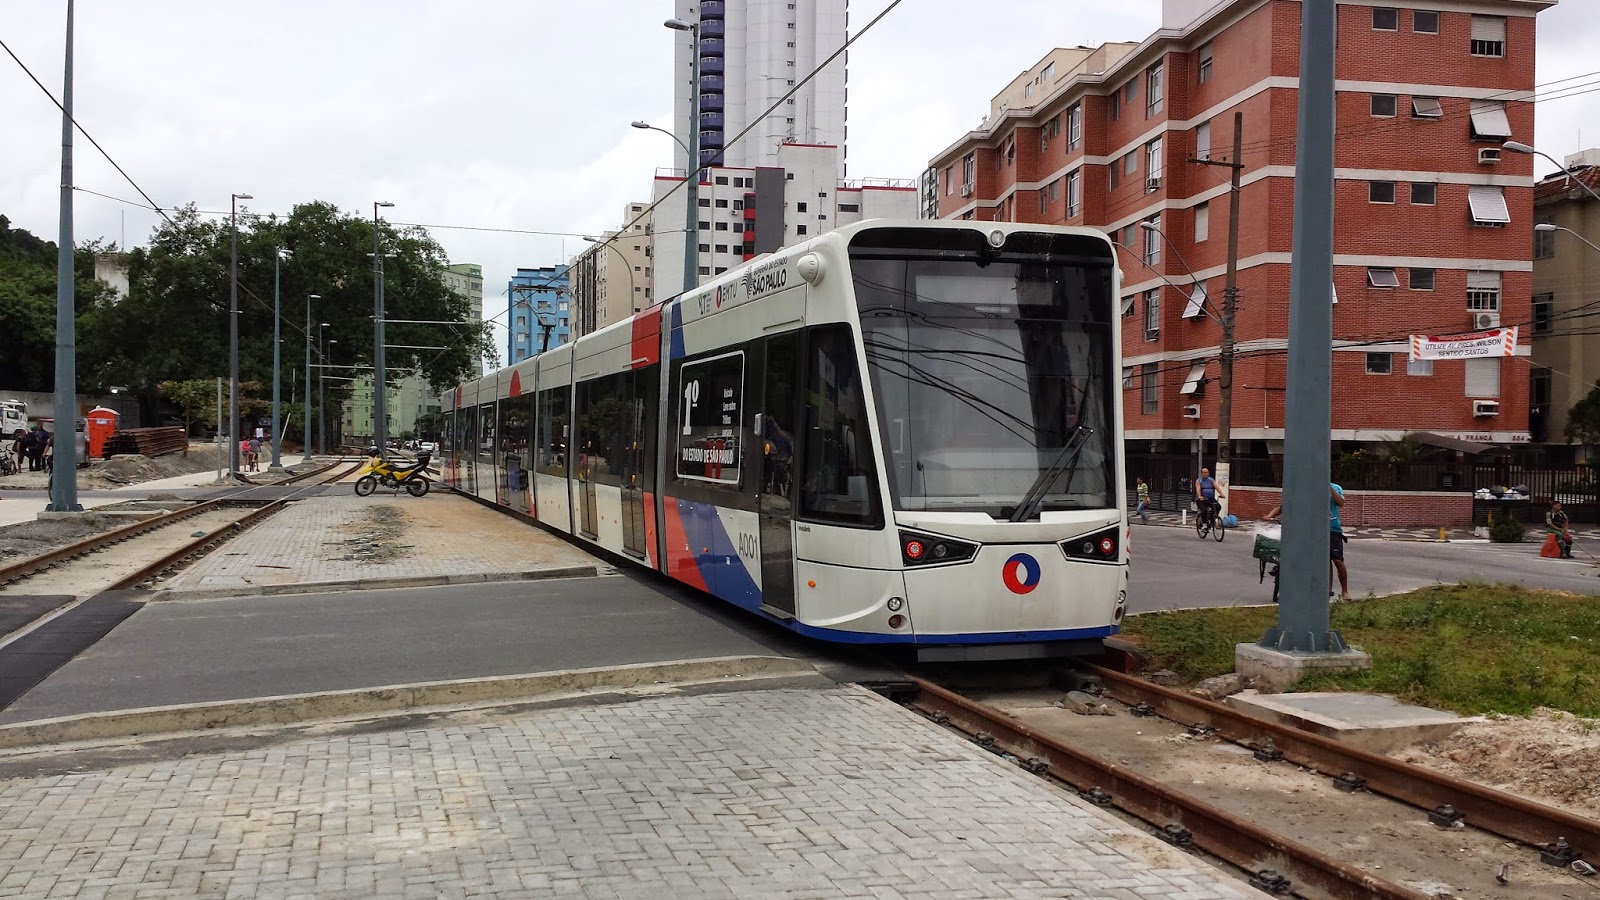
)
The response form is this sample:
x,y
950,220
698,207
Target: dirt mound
x,y
27,539
1551,757
133,469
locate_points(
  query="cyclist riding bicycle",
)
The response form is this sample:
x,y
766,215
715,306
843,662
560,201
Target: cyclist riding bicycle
x,y
1206,493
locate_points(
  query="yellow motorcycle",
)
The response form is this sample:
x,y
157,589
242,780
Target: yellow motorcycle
x,y
412,477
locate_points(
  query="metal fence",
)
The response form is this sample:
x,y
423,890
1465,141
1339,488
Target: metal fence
x,y
1170,476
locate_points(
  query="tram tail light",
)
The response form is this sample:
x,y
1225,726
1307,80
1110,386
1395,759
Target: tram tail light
x,y
929,549
1102,546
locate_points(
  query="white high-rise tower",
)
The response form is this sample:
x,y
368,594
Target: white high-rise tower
x,y
751,53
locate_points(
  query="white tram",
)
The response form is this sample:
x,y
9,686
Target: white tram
x,y
894,433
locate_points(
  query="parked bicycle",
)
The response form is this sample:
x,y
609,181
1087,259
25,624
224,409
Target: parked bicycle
x,y
412,477
8,463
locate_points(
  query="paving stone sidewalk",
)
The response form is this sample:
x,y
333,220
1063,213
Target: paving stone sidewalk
x,y
312,540
762,793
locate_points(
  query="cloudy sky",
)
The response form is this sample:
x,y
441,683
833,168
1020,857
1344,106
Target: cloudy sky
x,y
502,114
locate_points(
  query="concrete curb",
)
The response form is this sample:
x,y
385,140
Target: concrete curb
x,y
371,584
296,709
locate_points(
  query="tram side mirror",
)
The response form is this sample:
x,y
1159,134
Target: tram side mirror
x,y
758,423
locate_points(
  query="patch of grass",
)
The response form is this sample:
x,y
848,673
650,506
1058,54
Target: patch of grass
x,y
1471,648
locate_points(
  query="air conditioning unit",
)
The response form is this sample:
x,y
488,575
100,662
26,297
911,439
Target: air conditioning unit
x,y
966,190
1483,408
1152,184
1482,321
1192,411
1489,155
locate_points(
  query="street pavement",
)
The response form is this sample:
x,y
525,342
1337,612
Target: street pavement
x,y
174,652
1172,568
805,793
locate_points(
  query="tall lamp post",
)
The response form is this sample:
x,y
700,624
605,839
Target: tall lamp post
x,y
306,452
379,414
1519,147
277,399
322,411
691,172
233,332
1549,228
64,487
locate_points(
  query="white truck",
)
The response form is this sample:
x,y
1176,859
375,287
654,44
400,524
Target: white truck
x,y
13,415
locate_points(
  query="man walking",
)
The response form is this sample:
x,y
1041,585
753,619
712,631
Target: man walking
x,y
1143,493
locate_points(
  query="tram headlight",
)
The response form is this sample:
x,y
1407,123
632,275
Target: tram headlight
x,y
927,549
1102,546
997,239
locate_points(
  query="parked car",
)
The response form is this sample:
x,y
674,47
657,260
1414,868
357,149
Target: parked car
x,y
427,446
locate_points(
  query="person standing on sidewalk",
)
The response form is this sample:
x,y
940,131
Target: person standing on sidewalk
x,y
1143,492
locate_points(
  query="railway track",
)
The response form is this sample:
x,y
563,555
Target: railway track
x,y
1245,837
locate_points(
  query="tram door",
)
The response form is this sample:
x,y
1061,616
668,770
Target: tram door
x,y
634,461
776,430
587,461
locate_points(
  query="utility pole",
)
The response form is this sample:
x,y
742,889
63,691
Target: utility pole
x,y
64,483
277,317
1230,302
380,415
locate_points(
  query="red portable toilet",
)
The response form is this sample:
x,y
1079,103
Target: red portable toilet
x,y
102,425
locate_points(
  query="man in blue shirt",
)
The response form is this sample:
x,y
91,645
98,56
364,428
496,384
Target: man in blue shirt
x,y
1206,492
1336,537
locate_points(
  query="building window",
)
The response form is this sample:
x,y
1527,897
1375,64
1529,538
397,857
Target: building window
x,y
1152,314
704,225
1544,242
738,227
1114,109
722,226
1205,63
1488,204
1153,164
1027,89
1152,241
1424,193
1202,222
799,229
1489,122
1130,163
1488,36
1116,173
1074,192
1384,105
1127,378
704,202
1130,91
948,172
1151,385
1424,21
1385,19
800,207
1074,126
721,269
1543,310
1382,278
1483,378
704,248
722,248
1380,363
849,207
969,171
1421,279
721,179
522,321
1153,90
705,270
1483,291
1127,306
1426,108
722,204
1202,141
1419,366
1380,192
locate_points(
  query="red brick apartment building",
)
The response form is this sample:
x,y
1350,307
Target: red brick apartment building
x,y
1433,225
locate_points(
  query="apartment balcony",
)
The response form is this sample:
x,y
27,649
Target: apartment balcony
x,y
712,9
711,83
711,103
711,121
710,140
710,65
712,46
712,28
710,157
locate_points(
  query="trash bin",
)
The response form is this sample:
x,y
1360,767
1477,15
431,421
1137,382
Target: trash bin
x,y
102,425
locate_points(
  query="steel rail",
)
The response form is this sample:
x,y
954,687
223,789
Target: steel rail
x,y
1482,807
1179,818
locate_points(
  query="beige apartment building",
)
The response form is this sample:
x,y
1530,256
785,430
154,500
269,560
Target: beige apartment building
x,y
613,277
1566,292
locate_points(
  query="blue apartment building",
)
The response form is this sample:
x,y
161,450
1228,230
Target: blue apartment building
x,y
537,297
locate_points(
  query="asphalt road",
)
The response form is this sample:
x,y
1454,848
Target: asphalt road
x,y
1174,569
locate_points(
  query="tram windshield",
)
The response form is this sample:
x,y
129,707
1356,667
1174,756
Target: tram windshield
x,y
987,365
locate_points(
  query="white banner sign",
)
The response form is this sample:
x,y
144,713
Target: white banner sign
x,y
1478,345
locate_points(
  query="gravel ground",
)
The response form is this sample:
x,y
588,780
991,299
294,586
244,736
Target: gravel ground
x,y
27,539
123,470
1551,757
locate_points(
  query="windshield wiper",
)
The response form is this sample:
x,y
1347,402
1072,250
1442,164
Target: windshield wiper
x,y
1031,502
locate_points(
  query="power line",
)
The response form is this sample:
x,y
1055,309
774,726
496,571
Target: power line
x,y
85,133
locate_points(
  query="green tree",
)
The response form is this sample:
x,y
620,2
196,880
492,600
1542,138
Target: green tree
x,y
28,309
1583,420
197,398
174,324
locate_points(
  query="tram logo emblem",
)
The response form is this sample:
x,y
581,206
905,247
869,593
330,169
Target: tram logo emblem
x,y
1021,573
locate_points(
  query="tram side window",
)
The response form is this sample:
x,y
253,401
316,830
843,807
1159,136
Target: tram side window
x,y
515,421
839,482
709,416
602,416
552,438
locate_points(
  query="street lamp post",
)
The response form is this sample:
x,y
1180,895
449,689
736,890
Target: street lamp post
x,y
306,450
322,397
379,421
233,332
691,221
277,398
64,484
1519,147
1549,228
691,233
